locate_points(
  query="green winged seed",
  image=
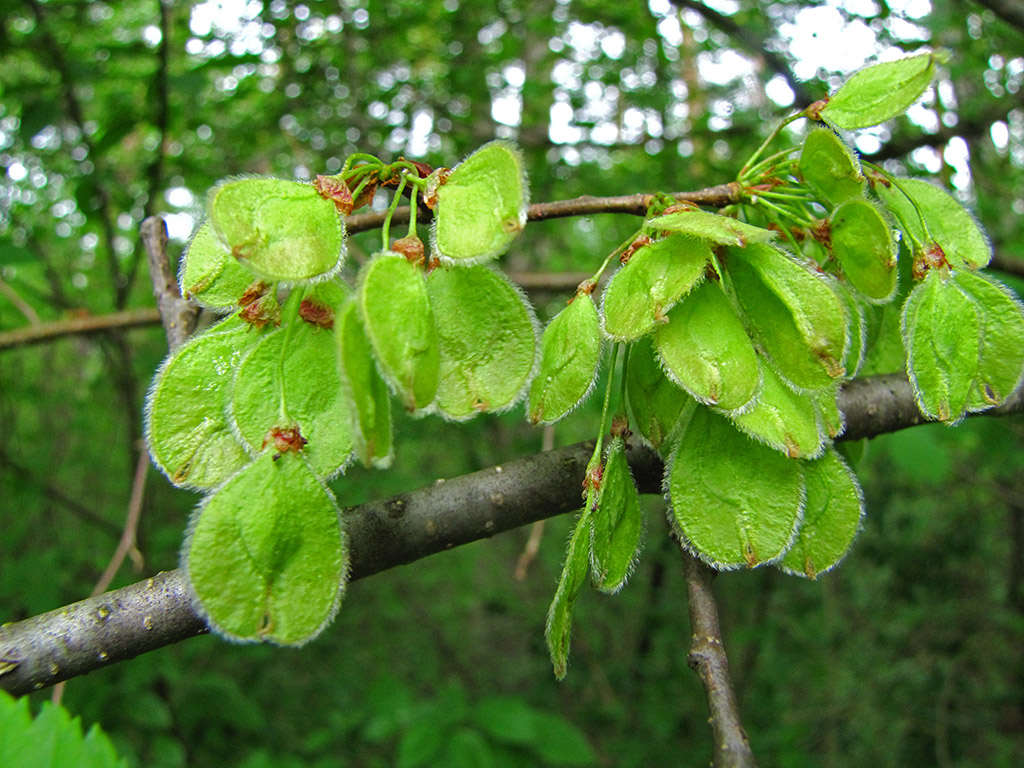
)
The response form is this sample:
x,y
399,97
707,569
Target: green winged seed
x,y
880,92
942,333
736,501
655,402
570,350
712,227
481,206
616,522
857,329
830,167
209,274
369,401
706,350
826,406
832,514
883,349
281,230
656,276
395,311
794,313
862,242
488,340
782,419
188,433
558,627
266,556
313,399
1001,366
950,224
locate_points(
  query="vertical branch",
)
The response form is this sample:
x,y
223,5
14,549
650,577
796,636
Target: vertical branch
x,y
179,317
707,658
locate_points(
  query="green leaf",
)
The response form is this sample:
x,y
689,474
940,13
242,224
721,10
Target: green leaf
x,y
266,556
367,393
832,514
312,393
395,310
1001,367
794,312
559,742
468,749
570,351
210,274
421,743
508,720
281,230
650,283
616,521
826,407
862,242
481,206
713,227
736,501
558,627
705,348
782,418
655,401
830,168
857,330
942,333
950,224
187,430
880,92
487,337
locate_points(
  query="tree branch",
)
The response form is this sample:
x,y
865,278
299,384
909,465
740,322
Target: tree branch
x,y
178,315
75,326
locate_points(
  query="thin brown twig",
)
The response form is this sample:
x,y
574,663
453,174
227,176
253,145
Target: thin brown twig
x,y
8,292
39,333
178,315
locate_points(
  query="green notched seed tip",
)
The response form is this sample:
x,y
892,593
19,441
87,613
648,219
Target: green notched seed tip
x,y
367,393
879,92
832,513
942,333
616,522
657,275
189,436
705,348
266,556
736,501
312,392
570,351
481,206
209,274
655,402
558,627
395,311
949,223
281,230
862,242
487,338
830,167
712,227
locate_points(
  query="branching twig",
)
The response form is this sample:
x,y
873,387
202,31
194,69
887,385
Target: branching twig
x,y
179,317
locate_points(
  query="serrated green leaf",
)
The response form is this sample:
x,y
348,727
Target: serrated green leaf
x,y
782,419
880,92
281,230
395,311
712,227
736,501
487,340
312,393
266,557
830,167
950,224
655,402
795,314
187,430
570,351
942,333
862,242
558,626
832,514
367,393
706,349
1001,367
656,276
616,522
481,206
209,274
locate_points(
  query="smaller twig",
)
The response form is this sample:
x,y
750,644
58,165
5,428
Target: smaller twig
x,y
707,658
19,303
178,315
38,333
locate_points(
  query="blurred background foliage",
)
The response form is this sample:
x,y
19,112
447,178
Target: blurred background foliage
x,y
909,654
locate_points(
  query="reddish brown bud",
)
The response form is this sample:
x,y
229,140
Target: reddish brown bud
x,y
633,247
932,257
411,247
333,189
316,314
285,439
